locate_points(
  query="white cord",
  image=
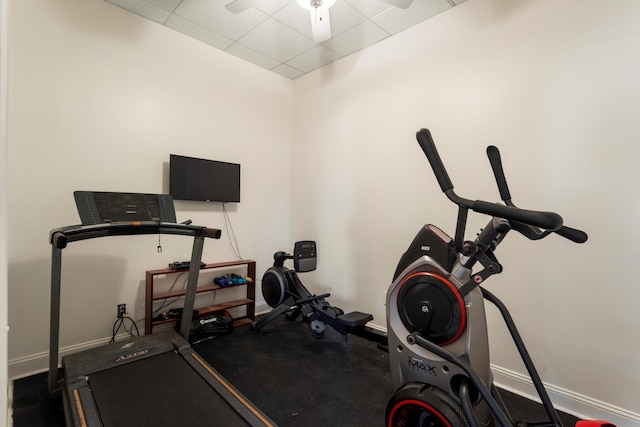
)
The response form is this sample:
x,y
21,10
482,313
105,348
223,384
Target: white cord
x,y
231,236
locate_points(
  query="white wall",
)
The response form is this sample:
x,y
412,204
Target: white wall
x,y
4,44
99,98
555,85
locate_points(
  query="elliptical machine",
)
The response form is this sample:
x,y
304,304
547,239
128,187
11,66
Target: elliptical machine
x,y
285,293
437,331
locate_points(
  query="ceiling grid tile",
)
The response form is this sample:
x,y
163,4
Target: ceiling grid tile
x,y
276,34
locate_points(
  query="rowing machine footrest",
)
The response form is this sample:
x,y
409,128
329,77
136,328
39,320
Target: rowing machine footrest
x,y
594,423
355,319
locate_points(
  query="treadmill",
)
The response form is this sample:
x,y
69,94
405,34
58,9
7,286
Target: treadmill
x,y
153,380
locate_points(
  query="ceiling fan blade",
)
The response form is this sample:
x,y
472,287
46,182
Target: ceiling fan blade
x,y
320,24
403,4
239,6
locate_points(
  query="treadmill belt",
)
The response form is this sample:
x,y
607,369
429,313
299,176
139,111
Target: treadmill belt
x,y
159,391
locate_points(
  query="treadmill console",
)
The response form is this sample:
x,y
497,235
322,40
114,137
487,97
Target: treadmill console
x,y
100,207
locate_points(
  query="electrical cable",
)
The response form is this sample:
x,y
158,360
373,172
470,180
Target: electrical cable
x,y
134,325
115,330
120,323
166,303
228,228
213,301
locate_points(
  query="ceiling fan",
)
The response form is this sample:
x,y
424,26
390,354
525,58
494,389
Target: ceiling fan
x,y
319,11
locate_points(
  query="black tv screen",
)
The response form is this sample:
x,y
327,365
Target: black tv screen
x,y
191,178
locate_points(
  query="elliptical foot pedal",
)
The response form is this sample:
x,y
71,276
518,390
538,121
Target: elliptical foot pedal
x,y
355,319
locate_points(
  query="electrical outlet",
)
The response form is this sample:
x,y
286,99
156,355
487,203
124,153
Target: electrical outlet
x,y
122,310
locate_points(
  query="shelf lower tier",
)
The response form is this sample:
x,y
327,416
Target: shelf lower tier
x,y
237,322
180,293
242,321
203,311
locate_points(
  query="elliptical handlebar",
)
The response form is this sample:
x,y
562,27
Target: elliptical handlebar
x,y
527,230
550,221
429,147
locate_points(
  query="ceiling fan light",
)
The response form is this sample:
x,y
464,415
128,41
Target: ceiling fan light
x,y
314,4
402,4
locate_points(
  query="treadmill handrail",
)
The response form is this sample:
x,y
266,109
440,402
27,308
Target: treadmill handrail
x,y
60,237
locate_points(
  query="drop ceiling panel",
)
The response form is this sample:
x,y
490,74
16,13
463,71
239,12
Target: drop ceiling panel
x,y
295,17
395,20
290,42
253,56
144,8
269,6
357,38
344,16
369,8
198,32
213,16
169,5
287,71
276,34
317,57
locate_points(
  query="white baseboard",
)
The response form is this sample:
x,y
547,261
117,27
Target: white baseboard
x,y
262,308
581,406
35,363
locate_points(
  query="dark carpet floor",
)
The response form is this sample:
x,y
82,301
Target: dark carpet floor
x,y
294,378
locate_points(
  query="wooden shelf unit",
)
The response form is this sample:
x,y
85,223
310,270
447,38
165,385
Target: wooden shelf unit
x,y
248,302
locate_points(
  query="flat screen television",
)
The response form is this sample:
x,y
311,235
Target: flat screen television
x,y
191,178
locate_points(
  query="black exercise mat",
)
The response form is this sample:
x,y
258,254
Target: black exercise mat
x,y
299,380
339,380
293,378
